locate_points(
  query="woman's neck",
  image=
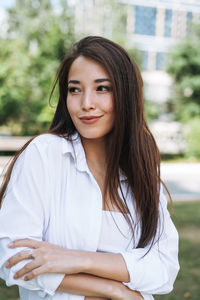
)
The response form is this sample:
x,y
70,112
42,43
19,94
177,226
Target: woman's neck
x,y
95,152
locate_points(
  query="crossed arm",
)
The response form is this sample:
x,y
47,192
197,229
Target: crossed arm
x,y
104,273
94,288
91,274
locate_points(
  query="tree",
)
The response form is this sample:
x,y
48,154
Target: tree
x,y
184,66
38,37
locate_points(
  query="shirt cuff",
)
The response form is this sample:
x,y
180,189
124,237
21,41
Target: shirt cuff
x,y
146,273
49,283
131,265
43,285
147,296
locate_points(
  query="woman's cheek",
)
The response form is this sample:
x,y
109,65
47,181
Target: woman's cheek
x,y
108,105
71,106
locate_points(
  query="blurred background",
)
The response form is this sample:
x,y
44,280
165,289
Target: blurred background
x,y
163,37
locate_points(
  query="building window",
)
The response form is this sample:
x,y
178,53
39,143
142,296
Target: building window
x,y
188,21
144,60
168,22
160,60
145,20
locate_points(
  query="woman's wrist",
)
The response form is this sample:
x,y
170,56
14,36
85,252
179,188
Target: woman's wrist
x,y
117,291
122,292
132,295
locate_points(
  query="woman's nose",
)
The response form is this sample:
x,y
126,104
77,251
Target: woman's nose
x,y
88,101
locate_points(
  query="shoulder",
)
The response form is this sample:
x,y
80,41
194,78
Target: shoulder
x,y
48,144
164,215
163,197
46,151
47,140
41,149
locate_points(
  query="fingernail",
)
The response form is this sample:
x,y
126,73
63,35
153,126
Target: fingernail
x,y
7,265
15,276
25,278
10,245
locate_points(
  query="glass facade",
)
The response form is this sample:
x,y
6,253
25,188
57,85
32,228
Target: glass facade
x,y
145,20
144,60
165,22
188,21
168,22
160,60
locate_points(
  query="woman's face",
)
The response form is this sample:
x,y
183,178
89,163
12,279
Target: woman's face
x,y
90,98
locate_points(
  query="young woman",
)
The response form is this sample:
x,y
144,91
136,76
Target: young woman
x,y
83,213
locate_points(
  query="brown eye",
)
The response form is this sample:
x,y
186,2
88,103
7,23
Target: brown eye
x,y
103,88
73,90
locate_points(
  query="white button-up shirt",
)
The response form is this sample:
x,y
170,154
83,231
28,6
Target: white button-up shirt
x,y
53,196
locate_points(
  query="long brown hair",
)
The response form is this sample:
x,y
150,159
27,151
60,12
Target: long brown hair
x,y
131,148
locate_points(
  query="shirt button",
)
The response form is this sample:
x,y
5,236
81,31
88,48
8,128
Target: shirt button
x,y
42,294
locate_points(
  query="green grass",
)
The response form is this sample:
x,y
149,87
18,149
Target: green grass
x,y
186,217
6,293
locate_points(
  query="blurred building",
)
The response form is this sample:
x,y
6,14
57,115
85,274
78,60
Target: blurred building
x,y
152,26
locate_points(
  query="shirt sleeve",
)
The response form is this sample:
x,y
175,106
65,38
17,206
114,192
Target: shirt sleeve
x,y
147,296
23,214
155,272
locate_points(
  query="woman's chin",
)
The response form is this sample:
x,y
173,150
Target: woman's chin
x,y
92,135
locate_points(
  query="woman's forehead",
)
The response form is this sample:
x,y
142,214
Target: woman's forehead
x,y
83,68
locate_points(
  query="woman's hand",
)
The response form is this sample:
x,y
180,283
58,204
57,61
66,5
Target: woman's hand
x,y
46,258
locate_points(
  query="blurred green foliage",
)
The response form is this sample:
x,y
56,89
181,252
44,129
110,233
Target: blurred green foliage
x,y
184,66
193,138
39,35
152,110
37,39
187,284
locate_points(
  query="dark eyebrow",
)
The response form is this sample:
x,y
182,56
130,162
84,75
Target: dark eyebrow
x,y
74,82
96,80
101,80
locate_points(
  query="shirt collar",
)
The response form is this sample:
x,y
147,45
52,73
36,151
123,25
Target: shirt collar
x,y
78,154
75,148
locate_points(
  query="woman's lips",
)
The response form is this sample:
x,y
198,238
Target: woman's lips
x,y
90,121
